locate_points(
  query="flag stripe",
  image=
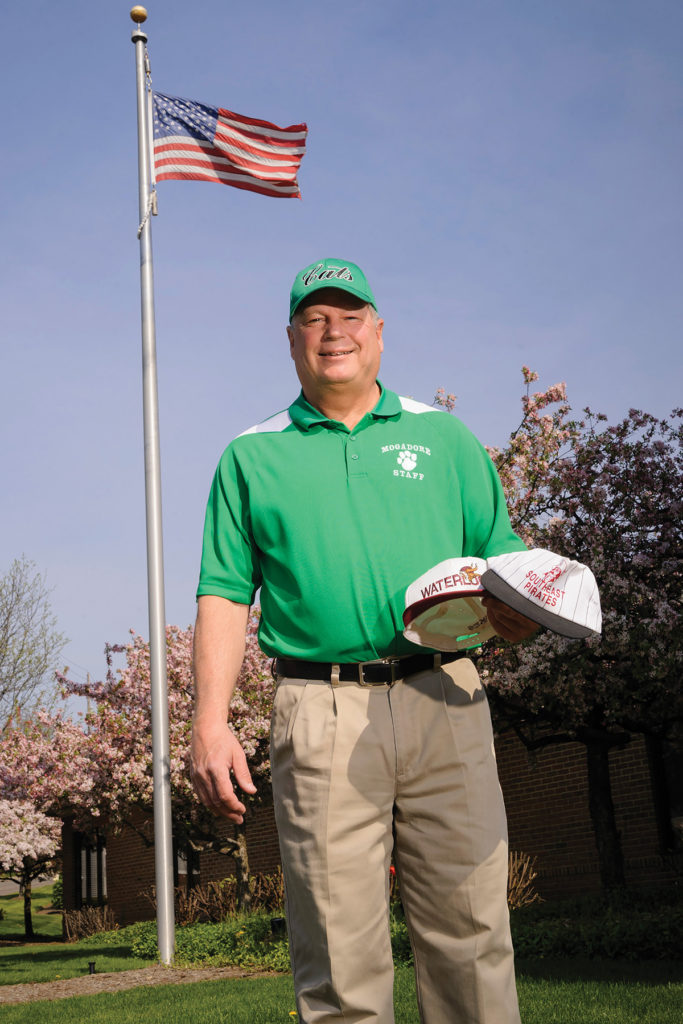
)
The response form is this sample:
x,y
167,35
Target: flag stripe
x,y
276,168
254,146
250,184
189,158
221,148
202,143
272,129
272,138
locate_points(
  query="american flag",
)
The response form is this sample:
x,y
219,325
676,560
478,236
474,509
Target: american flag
x,y
192,140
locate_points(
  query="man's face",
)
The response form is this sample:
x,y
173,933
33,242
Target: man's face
x,y
335,340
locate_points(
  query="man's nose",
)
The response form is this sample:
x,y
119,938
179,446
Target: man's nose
x,y
333,328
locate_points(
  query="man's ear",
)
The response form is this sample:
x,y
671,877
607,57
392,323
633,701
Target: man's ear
x,y
380,339
290,335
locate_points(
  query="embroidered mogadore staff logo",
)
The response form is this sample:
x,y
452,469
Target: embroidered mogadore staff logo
x,y
407,458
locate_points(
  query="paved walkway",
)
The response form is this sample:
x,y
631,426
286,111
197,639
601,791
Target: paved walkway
x,y
10,888
117,981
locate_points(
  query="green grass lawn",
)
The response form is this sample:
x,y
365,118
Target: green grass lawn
x,y
48,958
567,992
47,923
600,992
50,962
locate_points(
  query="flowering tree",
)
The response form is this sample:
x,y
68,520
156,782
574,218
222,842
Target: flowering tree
x,y
29,842
613,501
45,771
119,744
46,760
535,450
611,497
99,772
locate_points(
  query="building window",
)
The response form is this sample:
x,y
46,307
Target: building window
x,y
185,865
90,862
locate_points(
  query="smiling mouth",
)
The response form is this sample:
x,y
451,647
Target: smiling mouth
x,y
331,355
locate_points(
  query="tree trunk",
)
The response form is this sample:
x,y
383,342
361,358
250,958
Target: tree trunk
x,y
28,920
607,835
241,858
661,794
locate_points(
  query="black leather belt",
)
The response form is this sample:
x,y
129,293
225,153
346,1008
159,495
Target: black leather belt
x,y
365,673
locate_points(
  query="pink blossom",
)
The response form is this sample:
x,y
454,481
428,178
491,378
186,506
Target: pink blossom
x,y
29,840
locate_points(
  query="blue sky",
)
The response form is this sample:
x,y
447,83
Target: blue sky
x,y
507,174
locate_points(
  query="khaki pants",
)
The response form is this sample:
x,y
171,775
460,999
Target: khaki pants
x,y
359,772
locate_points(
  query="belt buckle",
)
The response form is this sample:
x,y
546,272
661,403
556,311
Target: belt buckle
x,y
391,662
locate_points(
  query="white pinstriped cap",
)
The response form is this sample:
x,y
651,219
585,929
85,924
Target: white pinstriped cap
x,y
554,591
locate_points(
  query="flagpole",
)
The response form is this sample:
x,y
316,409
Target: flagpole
x,y
163,838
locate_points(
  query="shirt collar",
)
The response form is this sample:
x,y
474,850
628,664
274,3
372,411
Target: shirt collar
x,y
306,416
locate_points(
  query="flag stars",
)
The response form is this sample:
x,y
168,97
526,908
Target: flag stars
x,y
178,117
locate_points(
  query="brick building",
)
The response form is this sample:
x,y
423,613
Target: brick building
x,y
126,866
547,801
546,796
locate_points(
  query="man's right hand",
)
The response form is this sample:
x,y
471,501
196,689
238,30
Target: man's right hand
x,y
215,753
219,639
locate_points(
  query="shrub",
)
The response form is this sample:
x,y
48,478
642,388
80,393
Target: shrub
x,y
124,936
143,939
400,936
210,902
246,940
637,928
521,875
214,901
614,930
81,924
57,902
268,891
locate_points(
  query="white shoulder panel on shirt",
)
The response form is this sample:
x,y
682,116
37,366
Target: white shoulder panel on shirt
x,y
273,425
410,405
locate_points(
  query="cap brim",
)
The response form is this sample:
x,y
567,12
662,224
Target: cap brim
x,y
413,610
496,586
339,286
469,629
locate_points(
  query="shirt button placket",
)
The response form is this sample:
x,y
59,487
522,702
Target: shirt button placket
x,y
352,458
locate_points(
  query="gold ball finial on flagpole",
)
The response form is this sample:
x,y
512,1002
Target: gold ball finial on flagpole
x,y
138,14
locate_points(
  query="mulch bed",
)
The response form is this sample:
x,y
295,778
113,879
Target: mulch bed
x,y
118,981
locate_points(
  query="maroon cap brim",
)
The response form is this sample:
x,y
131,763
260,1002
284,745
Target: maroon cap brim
x,y
413,610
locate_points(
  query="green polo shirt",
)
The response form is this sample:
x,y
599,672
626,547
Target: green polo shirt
x,y
333,524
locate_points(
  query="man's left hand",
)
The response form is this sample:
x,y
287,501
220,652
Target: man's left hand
x,y
506,621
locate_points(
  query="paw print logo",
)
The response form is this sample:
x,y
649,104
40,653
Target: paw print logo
x,y
407,460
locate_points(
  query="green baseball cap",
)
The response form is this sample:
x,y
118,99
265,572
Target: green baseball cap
x,y
329,273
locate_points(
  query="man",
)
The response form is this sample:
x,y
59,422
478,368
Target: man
x,y
378,747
